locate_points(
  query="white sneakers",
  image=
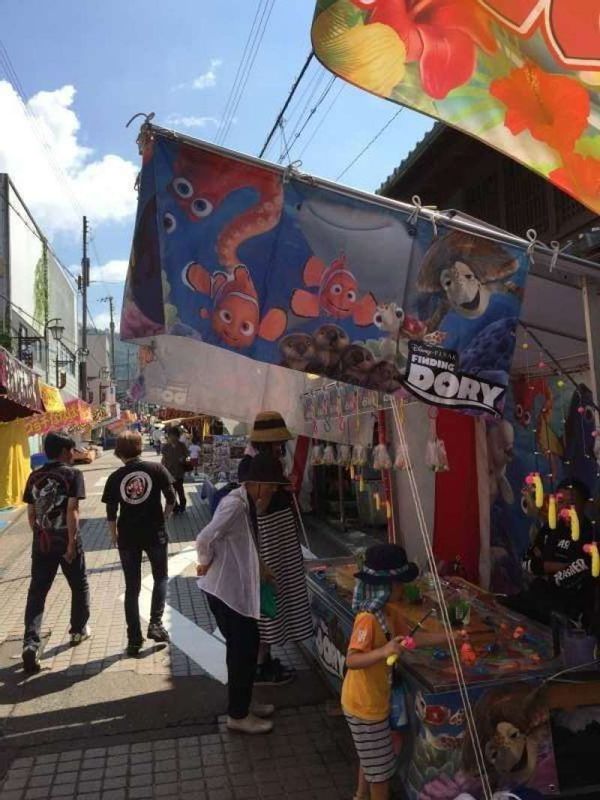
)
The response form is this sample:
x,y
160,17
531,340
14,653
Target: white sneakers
x,y
255,723
262,710
250,724
78,638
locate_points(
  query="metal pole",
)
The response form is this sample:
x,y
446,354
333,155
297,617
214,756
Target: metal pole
x,y
46,301
112,340
569,264
591,310
85,282
110,301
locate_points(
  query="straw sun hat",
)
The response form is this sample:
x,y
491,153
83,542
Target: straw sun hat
x,y
269,426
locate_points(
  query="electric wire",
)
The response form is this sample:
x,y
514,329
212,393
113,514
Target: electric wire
x,y
288,101
312,112
259,39
320,78
236,79
249,55
291,110
318,127
370,143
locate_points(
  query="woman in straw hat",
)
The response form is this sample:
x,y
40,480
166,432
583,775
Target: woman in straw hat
x,y
230,573
280,550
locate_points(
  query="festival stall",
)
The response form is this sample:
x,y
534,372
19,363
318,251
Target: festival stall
x,y
19,399
253,287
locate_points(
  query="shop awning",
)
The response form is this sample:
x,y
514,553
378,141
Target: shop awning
x,y
76,412
19,389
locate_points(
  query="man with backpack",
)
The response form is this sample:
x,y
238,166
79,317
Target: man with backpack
x,y
52,494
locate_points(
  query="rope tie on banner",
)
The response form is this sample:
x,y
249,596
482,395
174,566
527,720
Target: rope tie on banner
x,y
532,238
413,219
555,247
445,619
435,216
291,171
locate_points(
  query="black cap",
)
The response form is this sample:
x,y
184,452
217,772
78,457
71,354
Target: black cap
x,y
387,563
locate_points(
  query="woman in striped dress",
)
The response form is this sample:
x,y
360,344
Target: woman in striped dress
x,y
280,551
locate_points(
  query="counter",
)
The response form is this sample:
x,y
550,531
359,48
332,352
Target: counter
x,y
515,705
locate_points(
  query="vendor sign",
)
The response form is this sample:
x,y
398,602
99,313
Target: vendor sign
x,y
51,398
76,413
283,271
19,385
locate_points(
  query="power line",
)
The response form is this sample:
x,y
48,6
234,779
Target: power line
x,y
369,144
250,52
322,120
287,103
320,76
313,111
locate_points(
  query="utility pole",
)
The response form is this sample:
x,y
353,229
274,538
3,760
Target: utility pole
x,y
110,301
84,282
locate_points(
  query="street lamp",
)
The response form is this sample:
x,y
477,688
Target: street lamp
x,y
54,327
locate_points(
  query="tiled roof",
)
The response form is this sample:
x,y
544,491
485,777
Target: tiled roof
x,y
410,159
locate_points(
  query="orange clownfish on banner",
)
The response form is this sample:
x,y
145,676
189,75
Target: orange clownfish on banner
x,y
236,313
337,294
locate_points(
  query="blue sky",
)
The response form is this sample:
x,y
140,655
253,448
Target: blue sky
x,y
178,60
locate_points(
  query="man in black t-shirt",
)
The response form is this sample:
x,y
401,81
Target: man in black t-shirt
x,y
52,494
136,491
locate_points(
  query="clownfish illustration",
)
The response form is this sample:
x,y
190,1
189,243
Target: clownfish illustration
x,y
337,294
235,314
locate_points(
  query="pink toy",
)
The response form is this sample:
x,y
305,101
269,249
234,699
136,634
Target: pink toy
x,y
535,480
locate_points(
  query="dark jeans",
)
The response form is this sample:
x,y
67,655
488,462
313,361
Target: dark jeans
x,y
242,639
43,571
178,486
131,561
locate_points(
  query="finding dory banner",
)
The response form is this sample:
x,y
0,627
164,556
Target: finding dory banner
x,y
273,267
521,75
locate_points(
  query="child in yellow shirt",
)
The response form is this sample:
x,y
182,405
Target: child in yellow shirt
x,y
378,633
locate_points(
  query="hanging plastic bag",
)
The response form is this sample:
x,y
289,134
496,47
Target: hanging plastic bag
x,y
344,455
329,456
381,458
316,456
436,457
359,455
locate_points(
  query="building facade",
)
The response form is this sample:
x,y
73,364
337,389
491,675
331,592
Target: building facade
x,y
99,368
38,298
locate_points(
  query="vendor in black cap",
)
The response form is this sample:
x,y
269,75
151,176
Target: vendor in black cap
x,y
560,569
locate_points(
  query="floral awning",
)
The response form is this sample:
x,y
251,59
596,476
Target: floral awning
x,y
521,75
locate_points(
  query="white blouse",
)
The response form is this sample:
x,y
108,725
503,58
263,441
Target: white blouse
x,y
227,544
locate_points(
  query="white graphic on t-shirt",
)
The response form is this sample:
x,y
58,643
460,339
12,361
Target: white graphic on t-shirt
x,y
49,501
135,488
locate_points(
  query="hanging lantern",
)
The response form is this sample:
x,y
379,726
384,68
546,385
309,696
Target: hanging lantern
x,y
552,512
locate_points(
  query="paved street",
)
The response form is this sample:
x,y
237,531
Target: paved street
x,y
97,724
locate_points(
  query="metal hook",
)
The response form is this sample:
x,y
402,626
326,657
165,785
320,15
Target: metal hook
x,y
147,118
532,238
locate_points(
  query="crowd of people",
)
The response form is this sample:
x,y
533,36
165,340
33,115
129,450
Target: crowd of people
x,y
250,567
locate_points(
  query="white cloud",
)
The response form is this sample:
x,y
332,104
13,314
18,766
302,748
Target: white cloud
x,y
181,121
102,320
53,186
113,271
208,78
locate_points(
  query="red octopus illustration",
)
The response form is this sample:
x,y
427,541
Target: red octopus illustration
x,y
201,184
236,313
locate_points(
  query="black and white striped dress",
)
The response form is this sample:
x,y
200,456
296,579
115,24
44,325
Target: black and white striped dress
x,y
280,551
